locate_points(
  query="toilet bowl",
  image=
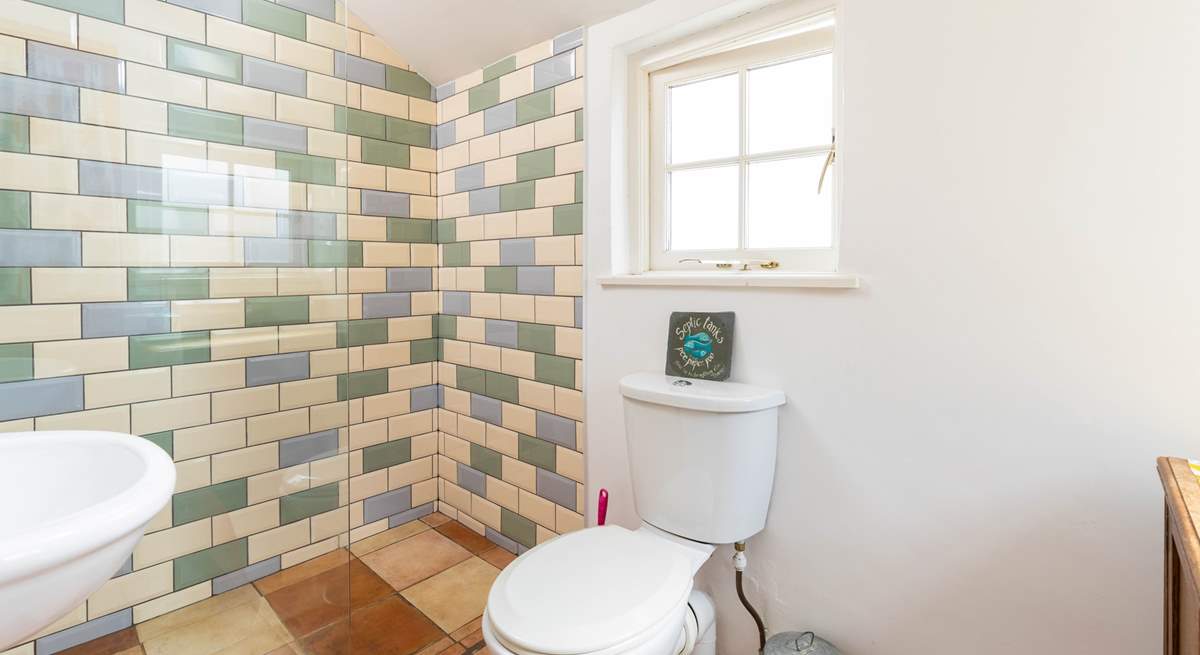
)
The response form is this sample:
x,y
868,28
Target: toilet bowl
x,y
600,591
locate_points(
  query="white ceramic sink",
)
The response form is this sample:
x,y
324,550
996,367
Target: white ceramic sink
x,y
72,507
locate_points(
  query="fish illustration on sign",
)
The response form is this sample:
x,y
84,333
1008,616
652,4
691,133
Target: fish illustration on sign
x,y
700,345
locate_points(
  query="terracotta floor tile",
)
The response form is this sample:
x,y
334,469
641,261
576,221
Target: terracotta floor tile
x,y
117,642
416,558
198,612
455,596
136,650
497,557
309,605
456,649
465,537
435,519
484,651
246,629
387,538
288,649
473,639
438,647
462,633
389,627
312,567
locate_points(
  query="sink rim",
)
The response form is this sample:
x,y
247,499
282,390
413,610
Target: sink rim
x,y
93,526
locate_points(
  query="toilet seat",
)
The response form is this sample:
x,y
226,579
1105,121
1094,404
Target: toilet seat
x,y
599,591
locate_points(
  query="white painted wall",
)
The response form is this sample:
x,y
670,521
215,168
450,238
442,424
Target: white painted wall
x,y
967,455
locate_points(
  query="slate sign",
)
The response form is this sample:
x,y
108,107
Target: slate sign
x,y
700,345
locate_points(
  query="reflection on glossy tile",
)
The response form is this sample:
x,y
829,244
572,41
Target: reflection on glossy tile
x,y
321,600
454,597
301,572
415,559
389,627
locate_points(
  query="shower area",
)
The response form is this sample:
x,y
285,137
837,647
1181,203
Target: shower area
x,y
346,303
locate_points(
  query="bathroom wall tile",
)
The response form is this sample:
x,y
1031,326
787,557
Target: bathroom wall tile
x,y
306,168
274,17
240,100
115,110
275,136
518,528
276,252
386,305
385,153
40,397
67,285
535,107
39,248
192,123
556,489
320,8
159,218
47,137
37,173
554,71
15,209
231,9
568,41
15,286
310,502
230,581
205,61
167,85
272,369
307,448
357,69
408,83
236,37
386,455
303,55
210,563
14,133
41,23
16,362
115,249
168,349
401,130
383,203
120,181
162,18
205,502
168,283
289,310
85,632
274,76
500,117
112,39
66,66
387,504
19,95
410,279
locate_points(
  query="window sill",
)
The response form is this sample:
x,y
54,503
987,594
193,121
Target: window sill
x,y
734,279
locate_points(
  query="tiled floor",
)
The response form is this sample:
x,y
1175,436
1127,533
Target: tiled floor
x,y
417,589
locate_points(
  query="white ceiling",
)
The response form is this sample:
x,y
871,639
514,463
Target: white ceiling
x,y
442,39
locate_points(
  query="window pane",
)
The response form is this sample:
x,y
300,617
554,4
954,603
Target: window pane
x,y
784,209
790,105
704,208
704,120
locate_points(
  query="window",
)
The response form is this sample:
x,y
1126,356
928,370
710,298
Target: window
x,y
741,158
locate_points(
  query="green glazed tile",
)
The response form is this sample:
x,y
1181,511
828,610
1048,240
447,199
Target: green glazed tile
x,y
188,57
568,219
579,125
363,383
500,279
502,386
536,164
483,96
536,338
579,187
409,83
365,123
423,350
367,332
16,362
274,18
537,452
486,460
168,283
208,501
552,369
192,123
335,253
471,380
339,119
14,133
310,502
402,130
409,230
446,229
152,350
386,454
110,10
385,153
518,528
445,326
14,209
343,334
207,564
283,310
306,168
150,217
456,254
14,286
516,196
535,106
164,440
502,67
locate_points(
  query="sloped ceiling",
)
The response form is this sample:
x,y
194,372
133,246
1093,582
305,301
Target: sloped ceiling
x,y
442,39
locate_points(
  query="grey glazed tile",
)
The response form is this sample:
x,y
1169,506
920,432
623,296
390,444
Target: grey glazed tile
x,y
472,480
19,95
535,279
556,488
485,409
444,91
272,369
74,67
85,632
443,135
387,504
271,135
263,74
411,515
39,248
554,71
40,397
501,540
97,178
199,188
410,279
500,333
552,427
386,305
385,203
231,9
516,252
275,252
357,69
456,303
423,398
568,41
306,225
468,178
308,448
500,117
119,319
484,201
230,581
579,312
320,8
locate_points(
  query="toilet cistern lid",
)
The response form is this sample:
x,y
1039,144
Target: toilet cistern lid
x,y
701,395
588,590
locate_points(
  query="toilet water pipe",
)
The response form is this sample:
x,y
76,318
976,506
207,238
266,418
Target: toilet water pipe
x,y
739,567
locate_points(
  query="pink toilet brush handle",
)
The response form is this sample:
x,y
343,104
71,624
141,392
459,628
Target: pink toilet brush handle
x,y
602,509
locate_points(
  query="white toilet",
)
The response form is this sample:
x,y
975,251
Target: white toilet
x,y
702,460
